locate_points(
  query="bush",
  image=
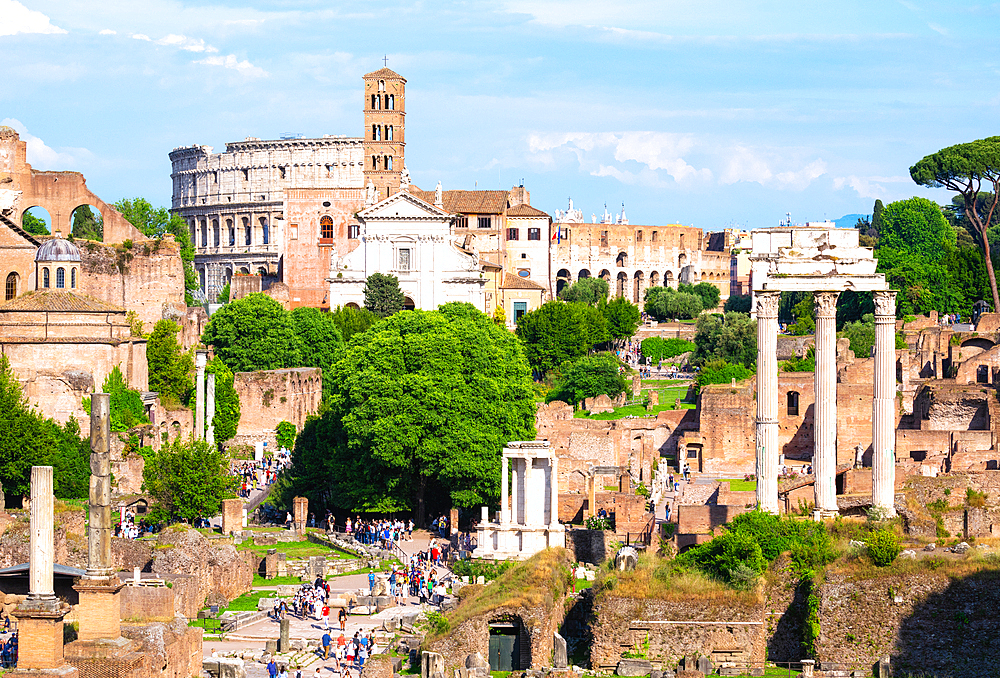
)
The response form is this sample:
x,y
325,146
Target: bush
x,y
490,570
882,547
657,349
721,372
598,523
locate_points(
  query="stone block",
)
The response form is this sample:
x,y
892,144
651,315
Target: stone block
x,y
705,665
271,646
634,667
475,661
288,590
431,665
397,664
231,667
560,657
266,603
298,644
100,490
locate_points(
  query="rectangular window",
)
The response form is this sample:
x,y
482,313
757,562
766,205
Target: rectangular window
x,y
520,308
353,231
404,260
512,234
653,239
462,222
293,231
638,236
534,234
604,238
485,222
682,241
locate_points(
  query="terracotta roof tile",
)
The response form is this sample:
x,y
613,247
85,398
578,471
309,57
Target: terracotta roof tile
x,y
511,281
525,211
384,73
468,202
52,300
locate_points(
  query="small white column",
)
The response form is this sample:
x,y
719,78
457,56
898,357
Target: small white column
x,y
554,494
504,506
884,404
530,501
210,409
767,401
825,409
42,555
200,359
514,493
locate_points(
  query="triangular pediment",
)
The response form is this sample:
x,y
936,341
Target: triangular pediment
x,y
402,205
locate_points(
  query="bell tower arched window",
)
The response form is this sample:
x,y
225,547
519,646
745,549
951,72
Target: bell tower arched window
x,y
390,102
388,132
388,162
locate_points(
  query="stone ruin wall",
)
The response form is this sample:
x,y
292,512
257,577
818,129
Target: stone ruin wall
x,y
269,397
222,572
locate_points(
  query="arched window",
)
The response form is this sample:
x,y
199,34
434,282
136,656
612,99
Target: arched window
x,y
388,132
215,231
60,278
375,133
247,231
388,162
11,290
682,241
326,227
390,102
375,162
45,278
793,404
264,230
72,278
374,97
378,103
381,85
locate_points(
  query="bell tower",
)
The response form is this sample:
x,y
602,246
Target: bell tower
x,y
385,140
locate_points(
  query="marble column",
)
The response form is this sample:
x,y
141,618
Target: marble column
x,y
514,518
884,403
767,401
200,359
504,505
100,529
825,409
42,556
554,493
210,409
530,502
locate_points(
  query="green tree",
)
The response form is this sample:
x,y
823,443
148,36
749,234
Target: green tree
x,y
721,372
224,294
285,432
806,363
227,401
586,291
587,377
964,168
552,334
731,337
876,223
127,410
862,335
253,333
351,320
739,303
33,225
706,291
666,303
382,295
169,365
420,413
622,317
86,224
156,222
657,349
187,479
319,341
595,324
805,316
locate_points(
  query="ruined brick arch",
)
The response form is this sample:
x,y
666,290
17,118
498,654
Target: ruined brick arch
x,y
682,259
605,275
621,261
563,278
668,279
59,193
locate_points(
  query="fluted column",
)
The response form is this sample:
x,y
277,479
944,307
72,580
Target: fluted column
x,y
825,410
42,556
767,401
504,505
884,403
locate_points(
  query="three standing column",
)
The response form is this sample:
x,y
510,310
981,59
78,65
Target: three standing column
x,y
767,401
884,403
825,412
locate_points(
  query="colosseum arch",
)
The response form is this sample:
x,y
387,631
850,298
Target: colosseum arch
x,y
622,284
621,261
563,278
654,279
638,285
584,273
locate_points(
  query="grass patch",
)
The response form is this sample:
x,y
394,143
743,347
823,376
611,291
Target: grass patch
x,y
366,570
248,601
740,485
653,577
581,584
277,581
299,549
541,580
631,411
659,383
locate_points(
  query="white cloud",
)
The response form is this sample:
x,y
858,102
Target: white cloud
x,y
868,187
185,43
44,157
108,31
230,61
661,151
140,36
799,179
19,19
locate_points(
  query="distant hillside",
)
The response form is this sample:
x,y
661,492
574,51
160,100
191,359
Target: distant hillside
x,y
849,220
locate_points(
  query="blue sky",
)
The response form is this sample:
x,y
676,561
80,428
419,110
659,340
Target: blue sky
x,y
710,113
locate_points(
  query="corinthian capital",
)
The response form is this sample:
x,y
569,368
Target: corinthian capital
x,y
885,303
826,304
767,304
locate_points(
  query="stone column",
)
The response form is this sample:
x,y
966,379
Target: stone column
x,y
200,359
210,409
42,556
825,409
884,403
504,506
529,501
554,495
767,401
513,490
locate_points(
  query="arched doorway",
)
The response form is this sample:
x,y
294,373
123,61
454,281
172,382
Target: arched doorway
x,y
408,304
622,260
87,223
668,279
584,273
622,283
638,285
510,644
563,278
654,279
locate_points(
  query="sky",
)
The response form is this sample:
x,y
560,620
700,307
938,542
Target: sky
x,y
712,114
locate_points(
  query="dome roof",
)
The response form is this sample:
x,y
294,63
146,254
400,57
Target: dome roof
x,y
58,249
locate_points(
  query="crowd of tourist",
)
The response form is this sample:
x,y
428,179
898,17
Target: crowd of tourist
x,y
254,475
384,533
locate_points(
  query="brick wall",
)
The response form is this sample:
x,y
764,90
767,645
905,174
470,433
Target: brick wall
x,y
269,397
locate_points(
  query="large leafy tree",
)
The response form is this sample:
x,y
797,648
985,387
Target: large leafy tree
x,y
28,439
319,340
170,366
731,337
706,291
33,225
351,320
227,401
155,222
420,412
622,317
666,303
253,333
586,291
87,224
964,168
553,333
382,295
187,479
589,376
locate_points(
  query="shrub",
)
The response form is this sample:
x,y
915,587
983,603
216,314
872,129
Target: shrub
x,y
656,348
598,523
975,499
488,569
882,547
